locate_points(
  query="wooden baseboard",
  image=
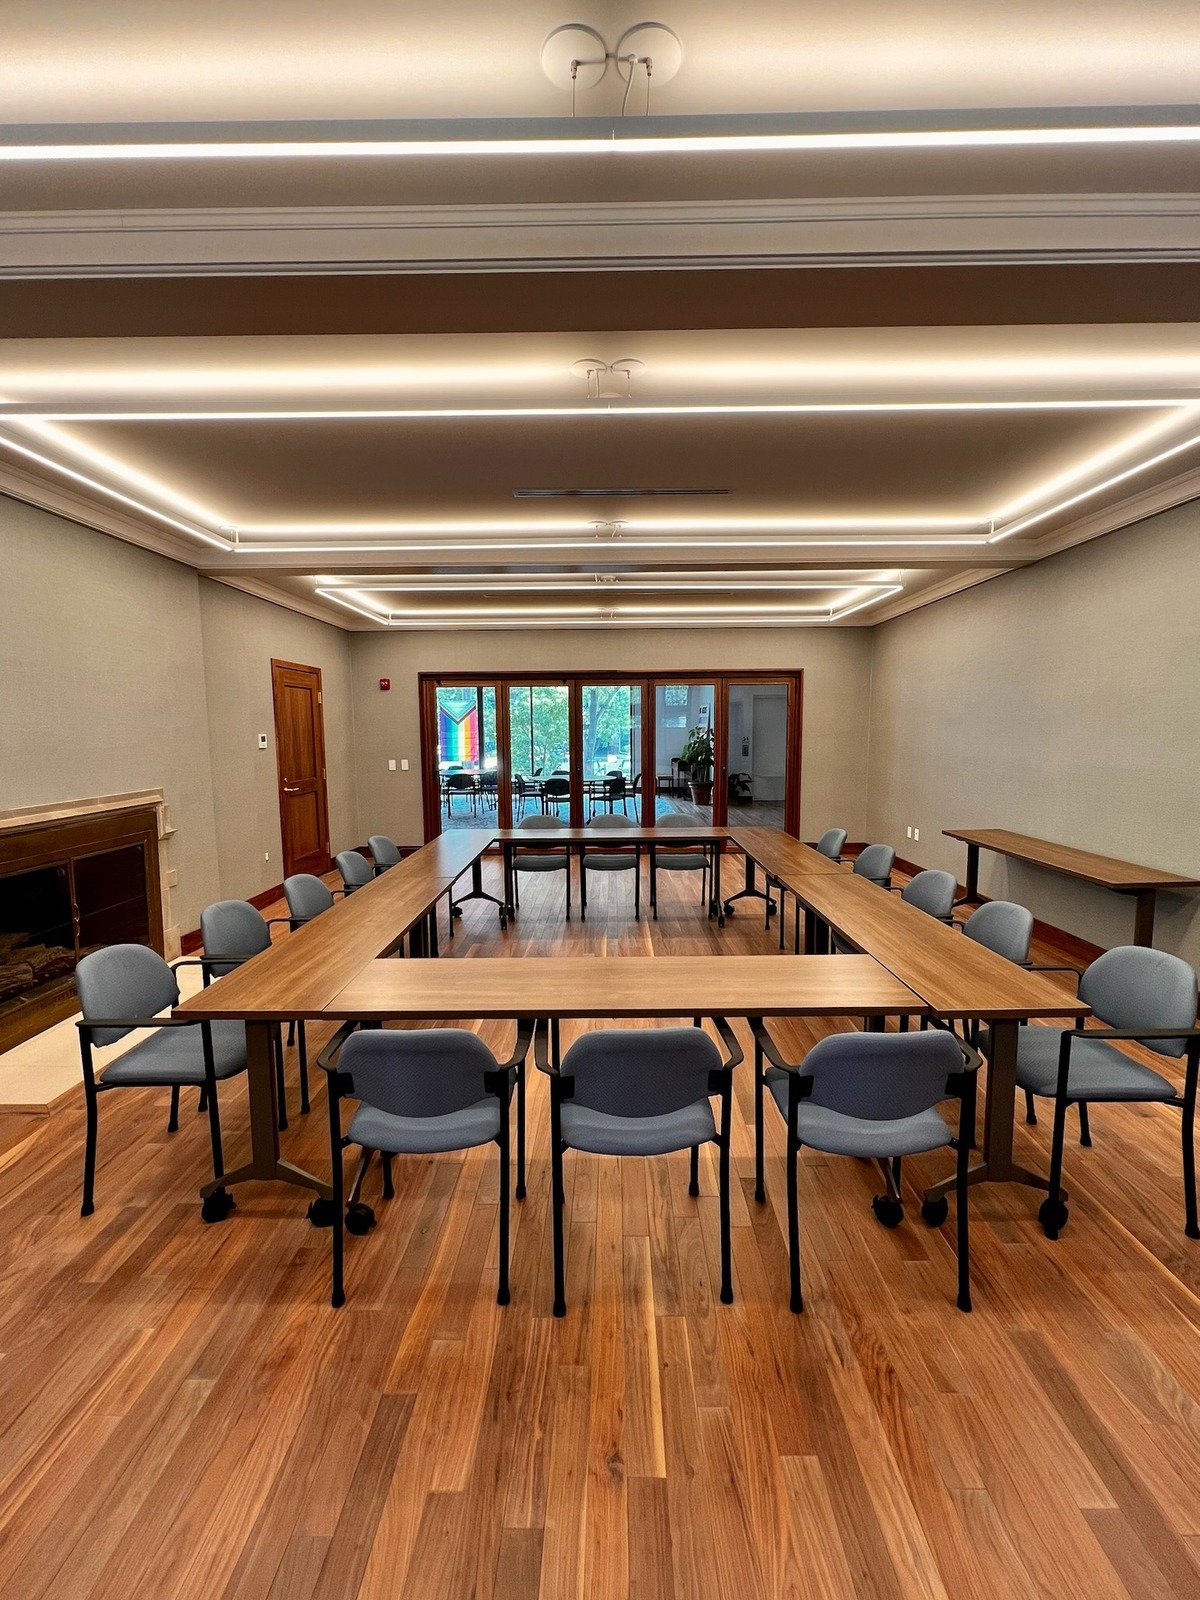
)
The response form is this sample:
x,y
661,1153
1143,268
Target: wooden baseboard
x,y
1080,952
190,942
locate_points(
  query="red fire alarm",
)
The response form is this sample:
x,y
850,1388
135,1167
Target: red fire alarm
x,y
385,683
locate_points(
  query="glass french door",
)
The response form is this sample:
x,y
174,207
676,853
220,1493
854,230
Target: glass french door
x,y
756,752
467,755
685,750
539,749
611,750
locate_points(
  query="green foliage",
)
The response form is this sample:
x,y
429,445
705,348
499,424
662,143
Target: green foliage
x,y
697,754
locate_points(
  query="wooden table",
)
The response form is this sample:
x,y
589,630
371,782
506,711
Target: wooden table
x,y
782,858
957,979
1107,872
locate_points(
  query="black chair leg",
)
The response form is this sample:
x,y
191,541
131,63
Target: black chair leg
x,y
202,1102
521,1132
1191,1223
338,1243
1085,1127
389,1188
291,1038
557,1199
280,1081
1030,1113
726,1244
760,1190
302,1038
694,1178
1053,1200
793,1203
214,1133
961,1192
89,1151
360,1175
502,1290
173,1115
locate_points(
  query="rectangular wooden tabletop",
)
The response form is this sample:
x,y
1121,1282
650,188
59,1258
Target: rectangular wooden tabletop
x,y
780,855
953,974
608,837
623,986
1107,871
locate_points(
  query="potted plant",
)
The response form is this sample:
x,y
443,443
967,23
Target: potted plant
x,y
697,757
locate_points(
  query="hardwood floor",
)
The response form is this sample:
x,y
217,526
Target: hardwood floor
x,y
184,1415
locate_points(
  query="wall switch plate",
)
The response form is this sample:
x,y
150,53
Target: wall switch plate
x,y
910,830
404,766
391,766
262,741
917,835
266,855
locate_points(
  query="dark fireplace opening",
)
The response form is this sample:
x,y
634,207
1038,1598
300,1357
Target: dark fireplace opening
x,y
37,934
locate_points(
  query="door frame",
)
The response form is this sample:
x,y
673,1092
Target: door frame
x,y
300,666
428,684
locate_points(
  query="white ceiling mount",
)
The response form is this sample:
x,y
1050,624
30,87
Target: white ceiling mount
x,y
574,56
608,380
653,43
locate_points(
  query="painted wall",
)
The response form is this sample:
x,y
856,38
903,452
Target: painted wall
x,y
240,635
1063,701
101,690
837,673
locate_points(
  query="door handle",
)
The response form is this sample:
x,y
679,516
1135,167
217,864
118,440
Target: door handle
x,y
291,788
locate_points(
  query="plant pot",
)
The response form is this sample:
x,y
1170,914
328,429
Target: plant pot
x,y
701,793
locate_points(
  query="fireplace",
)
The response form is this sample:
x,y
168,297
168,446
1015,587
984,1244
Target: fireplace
x,y
72,881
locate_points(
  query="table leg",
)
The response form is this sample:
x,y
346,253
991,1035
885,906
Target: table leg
x,y
748,891
1143,918
264,1165
478,892
718,905
972,890
510,909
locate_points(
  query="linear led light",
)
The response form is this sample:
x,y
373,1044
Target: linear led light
x,y
618,546
534,613
609,617
639,525
595,585
628,136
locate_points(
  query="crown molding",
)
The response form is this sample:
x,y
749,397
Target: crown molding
x,y
924,230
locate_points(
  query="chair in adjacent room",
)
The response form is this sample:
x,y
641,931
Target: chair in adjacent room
x,y
933,892
628,858
614,792
872,1095
1141,996
875,864
355,869
639,1092
831,843
556,791
541,860
122,988
678,858
460,783
428,1091
232,932
385,852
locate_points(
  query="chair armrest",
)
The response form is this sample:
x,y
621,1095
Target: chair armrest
x,y
526,1028
1074,972
86,1025
283,922
1134,1035
327,1060
541,1049
770,1049
734,1055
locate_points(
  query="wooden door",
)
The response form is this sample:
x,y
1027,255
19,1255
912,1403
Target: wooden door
x,y
300,763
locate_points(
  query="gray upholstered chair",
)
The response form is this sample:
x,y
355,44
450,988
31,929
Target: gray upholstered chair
x,y
933,892
1141,996
420,1092
540,860
626,859
355,869
231,932
385,852
872,1095
307,897
832,842
122,988
678,858
875,864
1002,926
638,1092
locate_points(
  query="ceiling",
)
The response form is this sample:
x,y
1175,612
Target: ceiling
x,y
872,375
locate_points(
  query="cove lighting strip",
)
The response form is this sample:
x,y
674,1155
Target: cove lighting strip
x,y
627,136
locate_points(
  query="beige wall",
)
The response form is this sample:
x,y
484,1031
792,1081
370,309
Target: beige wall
x,y
1062,700
837,672
240,636
100,690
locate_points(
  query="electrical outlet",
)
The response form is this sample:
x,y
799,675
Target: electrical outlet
x,y
391,766
266,855
404,766
916,835
262,741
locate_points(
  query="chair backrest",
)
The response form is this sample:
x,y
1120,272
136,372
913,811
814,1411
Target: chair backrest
x,y
355,869
306,896
931,891
385,851
124,980
830,843
235,929
641,1072
614,785
1133,987
460,782
518,783
609,819
557,788
541,821
428,1072
1002,926
881,1076
875,862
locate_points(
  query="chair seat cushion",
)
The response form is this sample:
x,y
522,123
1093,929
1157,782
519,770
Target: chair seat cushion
x,y
607,1135
1099,1071
610,860
540,861
396,1136
680,860
176,1055
842,1135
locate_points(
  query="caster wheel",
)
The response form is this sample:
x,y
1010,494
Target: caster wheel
x,y
217,1206
320,1213
1053,1216
456,911
935,1212
889,1212
359,1218
729,908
